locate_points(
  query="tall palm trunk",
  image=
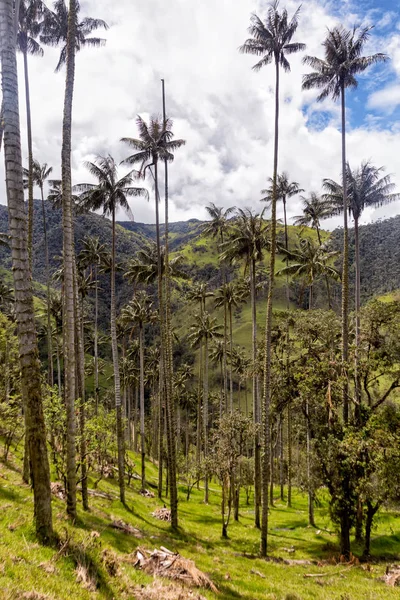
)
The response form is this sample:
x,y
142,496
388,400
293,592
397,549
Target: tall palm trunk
x,y
96,344
49,337
205,417
29,359
117,382
68,250
310,490
357,381
268,333
30,158
231,360
345,273
289,456
80,386
142,440
170,405
345,517
256,400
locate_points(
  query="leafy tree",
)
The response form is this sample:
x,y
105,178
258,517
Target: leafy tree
x,y
272,41
365,187
228,445
205,329
310,260
137,313
108,194
94,255
248,240
156,143
39,175
343,62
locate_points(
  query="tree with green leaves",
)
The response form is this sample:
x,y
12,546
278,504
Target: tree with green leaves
x,y
62,27
337,72
93,255
40,173
205,328
108,194
272,41
365,186
138,313
156,143
309,260
248,241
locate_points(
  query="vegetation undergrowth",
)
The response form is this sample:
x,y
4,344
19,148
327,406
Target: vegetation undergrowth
x,y
94,560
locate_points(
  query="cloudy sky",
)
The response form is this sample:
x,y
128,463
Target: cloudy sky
x,y
220,106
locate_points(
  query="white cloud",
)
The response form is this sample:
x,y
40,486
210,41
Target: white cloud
x,y
220,107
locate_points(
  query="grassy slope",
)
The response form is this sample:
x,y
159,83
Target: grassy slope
x,y
24,565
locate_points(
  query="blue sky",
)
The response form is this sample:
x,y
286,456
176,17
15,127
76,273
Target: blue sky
x,y
222,108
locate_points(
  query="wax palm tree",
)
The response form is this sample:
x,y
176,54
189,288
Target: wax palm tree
x,y
39,174
205,329
93,255
143,268
218,228
229,295
55,30
24,309
248,240
62,27
156,143
315,209
365,186
309,260
343,62
272,41
108,194
138,313
31,13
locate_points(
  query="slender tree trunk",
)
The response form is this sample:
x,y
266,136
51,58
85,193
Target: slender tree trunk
x,y
96,343
281,457
160,428
225,354
117,384
205,418
310,490
142,439
30,159
58,367
198,428
289,456
68,253
272,470
29,360
231,359
49,337
256,400
268,334
357,379
80,371
170,404
345,272
371,511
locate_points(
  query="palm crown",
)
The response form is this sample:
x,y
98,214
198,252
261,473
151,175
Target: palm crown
x,y
110,192
271,39
55,30
155,143
343,61
365,187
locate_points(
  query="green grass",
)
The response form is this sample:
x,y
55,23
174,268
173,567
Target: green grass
x,y
24,565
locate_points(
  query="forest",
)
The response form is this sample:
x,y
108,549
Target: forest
x,y
194,409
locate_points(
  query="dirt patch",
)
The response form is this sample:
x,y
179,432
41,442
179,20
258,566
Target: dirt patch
x,y
165,563
158,590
